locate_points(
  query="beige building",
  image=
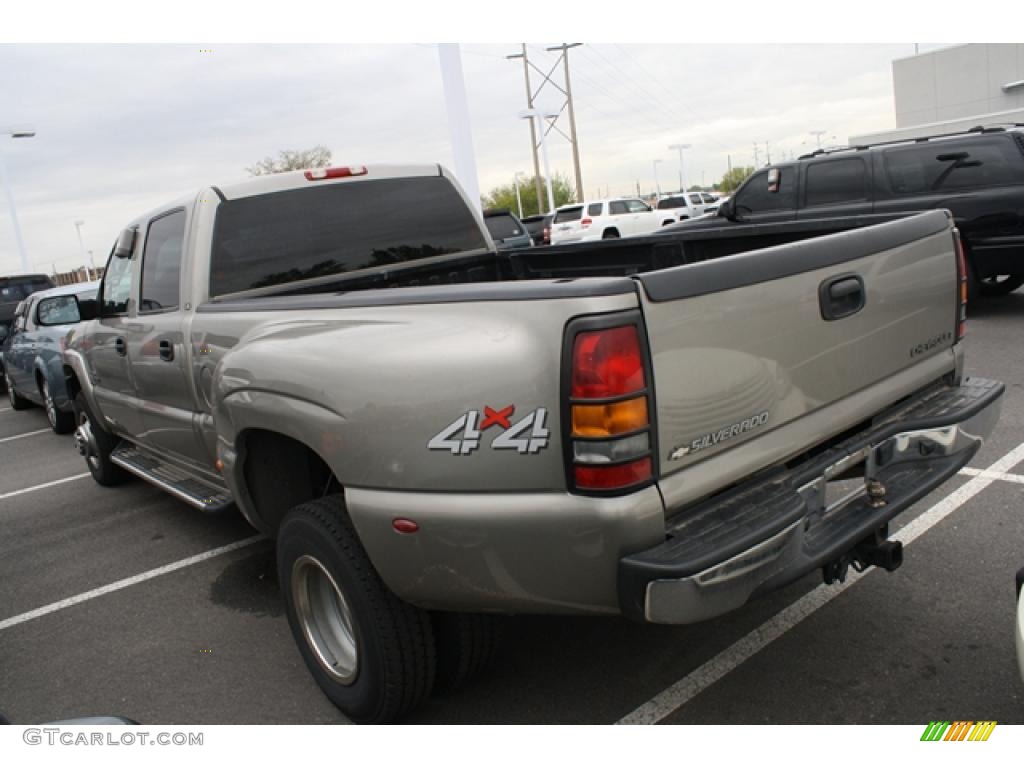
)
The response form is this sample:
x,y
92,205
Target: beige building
x,y
956,88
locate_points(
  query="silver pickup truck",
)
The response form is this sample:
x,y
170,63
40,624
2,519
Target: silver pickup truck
x,y
434,432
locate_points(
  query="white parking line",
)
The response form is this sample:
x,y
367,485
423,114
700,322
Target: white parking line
x,y
680,692
23,434
21,618
6,410
993,475
40,487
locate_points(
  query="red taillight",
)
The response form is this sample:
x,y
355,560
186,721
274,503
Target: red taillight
x,y
404,525
584,223
961,285
317,174
607,363
604,478
609,425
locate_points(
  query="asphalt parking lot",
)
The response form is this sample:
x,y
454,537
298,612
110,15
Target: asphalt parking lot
x,y
85,628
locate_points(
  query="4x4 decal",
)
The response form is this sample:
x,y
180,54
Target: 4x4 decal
x,y
528,435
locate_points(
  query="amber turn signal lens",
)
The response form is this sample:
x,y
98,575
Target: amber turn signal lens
x,y
609,419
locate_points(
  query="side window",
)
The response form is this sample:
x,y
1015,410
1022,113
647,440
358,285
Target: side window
x,y
594,209
836,181
696,199
754,197
116,288
637,206
944,165
617,207
161,262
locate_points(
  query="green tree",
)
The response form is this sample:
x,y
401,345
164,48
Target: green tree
x,y
505,195
292,160
732,179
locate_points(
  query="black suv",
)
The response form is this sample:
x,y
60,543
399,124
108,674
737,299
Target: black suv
x,y
978,175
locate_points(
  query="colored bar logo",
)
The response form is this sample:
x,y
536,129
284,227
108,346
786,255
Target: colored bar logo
x,y
960,730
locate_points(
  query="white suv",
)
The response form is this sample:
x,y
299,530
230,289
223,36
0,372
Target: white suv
x,y
680,207
603,219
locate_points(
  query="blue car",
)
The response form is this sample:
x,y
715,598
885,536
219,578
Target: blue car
x,y
33,352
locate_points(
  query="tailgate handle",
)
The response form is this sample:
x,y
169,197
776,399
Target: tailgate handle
x,y
841,296
120,346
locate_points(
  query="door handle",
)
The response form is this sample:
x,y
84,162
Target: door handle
x,y
120,346
841,296
166,350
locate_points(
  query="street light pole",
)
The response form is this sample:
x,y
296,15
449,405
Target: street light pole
x,y
519,200
682,172
657,186
81,246
15,133
539,115
817,135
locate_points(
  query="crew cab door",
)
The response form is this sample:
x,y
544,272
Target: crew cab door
x,y
769,195
835,186
107,344
156,346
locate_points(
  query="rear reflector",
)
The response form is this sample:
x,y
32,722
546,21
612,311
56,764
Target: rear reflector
x,y
607,363
605,477
609,419
404,525
316,174
961,274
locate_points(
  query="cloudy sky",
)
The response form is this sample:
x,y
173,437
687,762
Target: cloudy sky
x,y
123,128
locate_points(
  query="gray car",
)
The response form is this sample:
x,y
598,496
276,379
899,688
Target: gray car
x,y
32,352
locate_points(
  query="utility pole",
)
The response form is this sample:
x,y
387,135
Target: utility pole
x,y
817,135
564,48
768,151
757,158
682,173
728,161
533,129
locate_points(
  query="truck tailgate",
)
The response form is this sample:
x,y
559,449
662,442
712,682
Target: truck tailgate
x,y
746,344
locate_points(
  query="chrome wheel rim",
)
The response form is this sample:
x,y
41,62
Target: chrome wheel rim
x,y
51,409
86,442
325,618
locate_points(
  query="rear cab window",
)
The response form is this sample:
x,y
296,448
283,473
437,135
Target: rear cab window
x,y
297,234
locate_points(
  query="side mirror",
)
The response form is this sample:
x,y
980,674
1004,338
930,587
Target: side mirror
x,y
3,333
727,210
88,309
125,243
58,310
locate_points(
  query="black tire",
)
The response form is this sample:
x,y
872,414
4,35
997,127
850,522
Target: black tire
x,y
18,402
319,557
1000,285
467,644
104,471
610,234
61,422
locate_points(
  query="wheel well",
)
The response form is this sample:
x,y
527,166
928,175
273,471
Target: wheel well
x,y
610,229
39,381
280,473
